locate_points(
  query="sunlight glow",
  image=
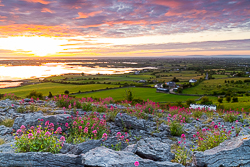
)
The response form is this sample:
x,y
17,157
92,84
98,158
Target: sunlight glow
x,y
39,46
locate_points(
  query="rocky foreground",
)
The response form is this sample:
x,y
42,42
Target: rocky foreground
x,y
148,143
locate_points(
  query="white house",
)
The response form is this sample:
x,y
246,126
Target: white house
x,y
192,80
200,106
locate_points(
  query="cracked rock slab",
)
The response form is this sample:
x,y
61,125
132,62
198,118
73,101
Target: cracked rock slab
x,y
234,152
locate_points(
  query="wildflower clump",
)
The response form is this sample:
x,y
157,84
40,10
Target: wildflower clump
x,y
39,139
86,127
211,137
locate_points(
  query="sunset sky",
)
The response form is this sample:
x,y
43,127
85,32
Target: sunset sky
x,y
124,27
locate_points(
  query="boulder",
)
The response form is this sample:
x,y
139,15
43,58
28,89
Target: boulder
x,y
31,119
153,149
84,147
234,152
39,159
104,157
125,120
7,148
5,130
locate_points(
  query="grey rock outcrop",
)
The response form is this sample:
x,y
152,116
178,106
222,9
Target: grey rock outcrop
x,y
234,152
38,159
153,149
81,148
104,157
125,120
32,120
7,148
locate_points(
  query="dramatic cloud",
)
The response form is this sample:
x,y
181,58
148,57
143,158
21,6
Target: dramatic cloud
x,y
122,18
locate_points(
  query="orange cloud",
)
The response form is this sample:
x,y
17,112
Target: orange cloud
x,y
41,30
38,1
86,15
47,10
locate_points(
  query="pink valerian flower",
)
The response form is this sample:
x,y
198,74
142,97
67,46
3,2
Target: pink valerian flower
x,y
81,122
136,163
183,136
74,123
62,138
122,137
94,131
41,120
118,134
105,136
80,127
32,127
215,126
86,130
58,130
30,135
51,125
19,131
67,124
38,132
232,127
22,127
203,130
46,123
47,134
194,136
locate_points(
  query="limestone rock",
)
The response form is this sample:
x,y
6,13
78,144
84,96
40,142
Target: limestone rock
x,y
104,157
153,149
234,152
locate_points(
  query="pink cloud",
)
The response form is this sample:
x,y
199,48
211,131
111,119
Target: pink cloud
x,y
86,15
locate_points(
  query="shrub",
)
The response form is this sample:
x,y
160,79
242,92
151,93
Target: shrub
x,y
205,100
228,99
220,100
10,96
197,113
87,107
176,128
66,92
85,128
211,137
7,122
34,94
39,139
190,101
230,117
235,99
50,95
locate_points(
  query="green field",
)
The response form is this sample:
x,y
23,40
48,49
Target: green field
x,y
54,88
144,93
209,86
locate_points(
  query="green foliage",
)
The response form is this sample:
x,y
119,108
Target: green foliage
x,y
197,113
212,138
2,141
235,99
10,96
182,155
228,99
86,128
50,95
21,109
110,116
129,95
205,101
220,100
190,101
38,140
7,122
176,128
230,117
87,107
34,94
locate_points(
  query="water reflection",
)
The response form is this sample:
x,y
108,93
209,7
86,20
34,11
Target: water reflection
x,y
48,69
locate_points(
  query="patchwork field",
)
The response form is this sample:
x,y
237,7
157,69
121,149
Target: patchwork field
x,y
143,93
